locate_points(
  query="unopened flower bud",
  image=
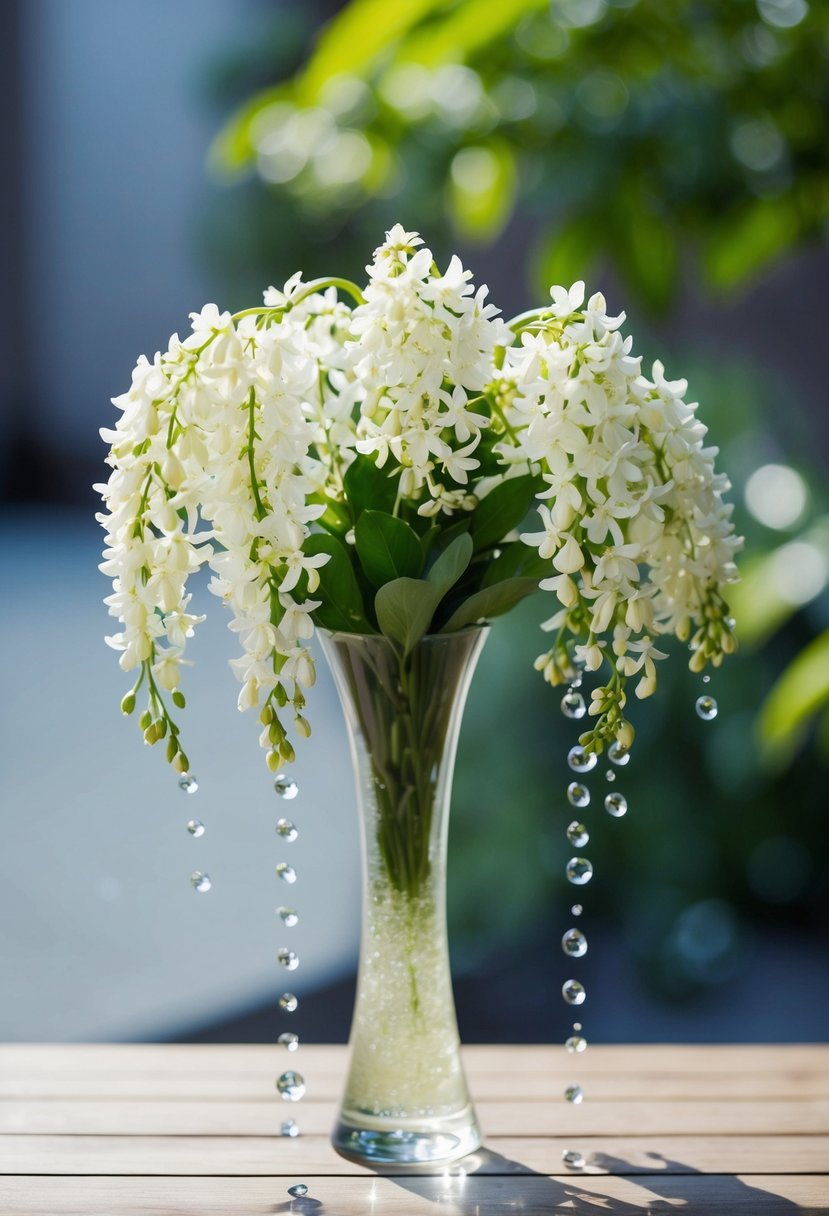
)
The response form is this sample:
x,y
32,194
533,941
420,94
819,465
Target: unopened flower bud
x,y
128,703
178,698
625,734
273,761
145,719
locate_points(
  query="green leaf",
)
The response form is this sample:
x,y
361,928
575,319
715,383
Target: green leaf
x,y
748,239
800,692
367,487
452,562
516,559
387,548
490,601
569,253
465,29
406,606
647,253
482,189
342,605
503,509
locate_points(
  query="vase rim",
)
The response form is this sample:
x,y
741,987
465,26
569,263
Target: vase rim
x,y
427,637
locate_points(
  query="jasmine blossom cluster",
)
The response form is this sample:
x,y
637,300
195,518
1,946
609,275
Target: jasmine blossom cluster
x,y
364,466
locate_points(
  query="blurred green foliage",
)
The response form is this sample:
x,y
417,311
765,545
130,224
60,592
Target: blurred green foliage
x,y
629,131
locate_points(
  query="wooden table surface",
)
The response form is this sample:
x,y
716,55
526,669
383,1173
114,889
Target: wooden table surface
x,y
156,1129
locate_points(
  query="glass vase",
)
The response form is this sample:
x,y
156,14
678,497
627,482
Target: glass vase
x,y
406,1100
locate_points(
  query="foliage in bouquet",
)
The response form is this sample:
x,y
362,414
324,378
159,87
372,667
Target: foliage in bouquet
x,y
366,467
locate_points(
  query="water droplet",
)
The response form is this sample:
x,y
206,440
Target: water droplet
x,y
288,1002
288,1040
706,679
288,916
578,794
573,992
576,681
286,829
579,871
618,755
285,872
578,834
572,705
573,1159
188,783
576,910
291,1085
706,708
200,881
581,761
574,943
195,827
616,804
289,1128
288,959
576,1044
298,1191
574,1094
731,622
285,786
610,775
577,1025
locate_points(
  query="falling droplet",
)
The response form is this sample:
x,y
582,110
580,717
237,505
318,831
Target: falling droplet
x,y
574,943
288,1002
188,783
575,1044
578,794
298,1191
288,916
195,827
706,679
706,708
610,775
574,1094
573,992
577,1025
616,804
288,1040
573,1159
288,959
285,872
289,1128
291,1085
576,681
286,829
581,761
579,871
201,882
578,834
572,705
618,755
285,786
576,910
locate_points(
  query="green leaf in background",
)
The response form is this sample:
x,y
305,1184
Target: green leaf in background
x,y
503,509
490,602
342,605
569,253
800,692
369,488
387,548
516,559
482,189
406,606
747,239
466,29
646,250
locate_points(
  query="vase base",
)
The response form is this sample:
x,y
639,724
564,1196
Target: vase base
x,y
394,1144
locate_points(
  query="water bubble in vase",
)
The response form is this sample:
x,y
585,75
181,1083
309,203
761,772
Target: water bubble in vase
x,y
576,910
578,794
299,1191
573,1159
287,830
581,761
618,755
578,834
706,679
288,959
291,1085
574,943
200,882
288,1002
575,1044
285,872
706,708
195,827
289,1041
188,783
288,916
574,1094
616,804
610,775
572,705
579,871
289,1128
285,786
573,992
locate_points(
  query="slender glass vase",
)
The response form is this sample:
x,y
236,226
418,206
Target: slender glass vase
x,y
406,1099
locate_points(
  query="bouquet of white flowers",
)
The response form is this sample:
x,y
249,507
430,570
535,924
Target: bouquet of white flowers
x,y
365,466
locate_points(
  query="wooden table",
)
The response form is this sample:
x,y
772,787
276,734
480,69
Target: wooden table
x,y
731,1131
